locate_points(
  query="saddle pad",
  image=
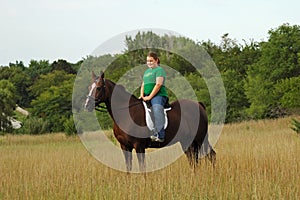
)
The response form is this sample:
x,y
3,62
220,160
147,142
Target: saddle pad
x,y
149,121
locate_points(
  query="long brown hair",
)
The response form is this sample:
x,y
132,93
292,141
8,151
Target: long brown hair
x,y
154,55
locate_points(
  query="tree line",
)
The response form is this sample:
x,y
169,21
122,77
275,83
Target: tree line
x,y
261,79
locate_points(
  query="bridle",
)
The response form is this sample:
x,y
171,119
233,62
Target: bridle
x,y
102,91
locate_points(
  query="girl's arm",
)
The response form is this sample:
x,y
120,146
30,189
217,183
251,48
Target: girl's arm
x,y
142,91
159,83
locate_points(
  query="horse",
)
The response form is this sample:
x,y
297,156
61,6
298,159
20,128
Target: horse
x,y
182,123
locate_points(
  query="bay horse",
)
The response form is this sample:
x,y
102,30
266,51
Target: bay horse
x,y
184,126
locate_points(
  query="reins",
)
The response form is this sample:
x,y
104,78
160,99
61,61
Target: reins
x,y
101,108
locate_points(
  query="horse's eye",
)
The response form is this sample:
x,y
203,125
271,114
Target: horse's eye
x,y
98,88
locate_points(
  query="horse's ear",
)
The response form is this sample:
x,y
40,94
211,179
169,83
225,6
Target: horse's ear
x,y
102,74
93,75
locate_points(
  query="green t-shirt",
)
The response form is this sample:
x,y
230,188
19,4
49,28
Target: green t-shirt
x,y
149,78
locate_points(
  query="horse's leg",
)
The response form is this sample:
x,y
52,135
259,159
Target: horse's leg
x,y
141,158
128,157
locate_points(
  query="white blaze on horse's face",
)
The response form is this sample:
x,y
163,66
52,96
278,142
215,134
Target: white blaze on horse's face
x,y
92,89
90,94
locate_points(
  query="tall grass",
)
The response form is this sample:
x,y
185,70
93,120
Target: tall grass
x,y
255,160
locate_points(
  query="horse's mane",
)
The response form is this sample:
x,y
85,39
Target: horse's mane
x,y
121,88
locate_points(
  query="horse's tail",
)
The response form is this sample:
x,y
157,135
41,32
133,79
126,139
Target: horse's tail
x,y
206,150
199,151
202,104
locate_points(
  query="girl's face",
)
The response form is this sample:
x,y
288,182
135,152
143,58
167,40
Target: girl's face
x,y
151,62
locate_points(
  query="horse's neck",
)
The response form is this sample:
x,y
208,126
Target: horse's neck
x,y
118,96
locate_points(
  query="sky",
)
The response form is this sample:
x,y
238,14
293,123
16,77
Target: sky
x,y
73,29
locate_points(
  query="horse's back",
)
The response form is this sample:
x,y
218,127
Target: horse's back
x,y
190,109
189,119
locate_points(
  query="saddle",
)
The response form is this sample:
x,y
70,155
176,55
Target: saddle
x,y
149,121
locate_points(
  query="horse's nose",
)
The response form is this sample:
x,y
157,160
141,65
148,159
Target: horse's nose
x,y
89,105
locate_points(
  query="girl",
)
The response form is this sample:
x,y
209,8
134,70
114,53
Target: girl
x,y
153,89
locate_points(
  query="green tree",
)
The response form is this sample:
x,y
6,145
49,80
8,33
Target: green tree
x,y
235,96
200,89
17,75
233,60
18,64
63,65
37,68
287,92
7,104
55,103
279,60
45,81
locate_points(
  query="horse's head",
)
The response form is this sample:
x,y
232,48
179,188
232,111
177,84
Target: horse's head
x,y
96,92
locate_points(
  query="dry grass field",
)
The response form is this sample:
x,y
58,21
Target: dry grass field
x,y
255,160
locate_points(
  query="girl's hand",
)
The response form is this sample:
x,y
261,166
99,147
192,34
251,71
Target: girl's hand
x,y
147,98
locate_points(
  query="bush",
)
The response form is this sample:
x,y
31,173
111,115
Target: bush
x,y
69,127
295,125
34,126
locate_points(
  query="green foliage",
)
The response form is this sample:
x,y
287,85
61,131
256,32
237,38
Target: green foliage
x,y
233,60
7,104
261,78
278,61
37,68
141,41
54,104
86,122
35,126
45,81
104,120
18,77
295,125
236,98
287,92
280,53
69,127
200,88
62,65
